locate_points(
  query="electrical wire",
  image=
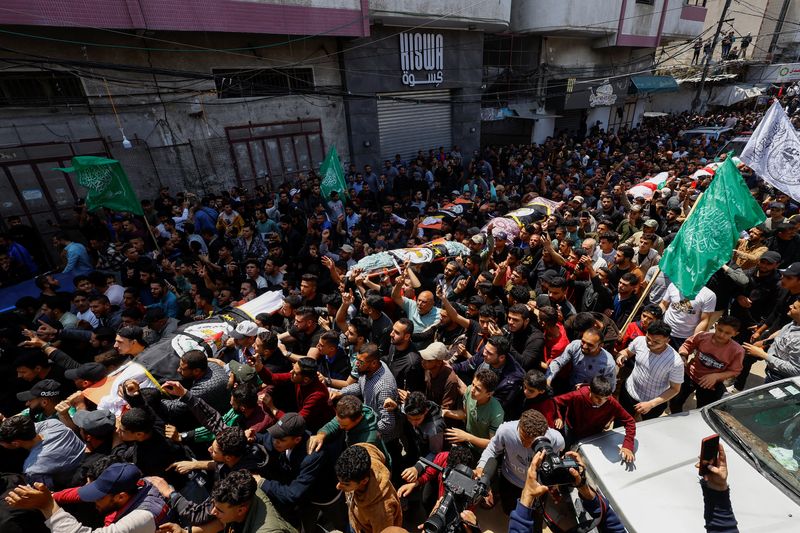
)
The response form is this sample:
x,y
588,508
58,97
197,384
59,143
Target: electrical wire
x,y
204,76
349,49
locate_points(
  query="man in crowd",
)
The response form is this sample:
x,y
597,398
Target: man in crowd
x,y
356,329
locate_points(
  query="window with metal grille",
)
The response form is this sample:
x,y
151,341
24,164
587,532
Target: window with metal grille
x,y
262,82
40,88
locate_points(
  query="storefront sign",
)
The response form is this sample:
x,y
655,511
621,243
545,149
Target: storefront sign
x,y
780,73
603,95
422,58
589,94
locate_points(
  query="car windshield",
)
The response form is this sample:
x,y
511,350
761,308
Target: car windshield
x,y
737,145
765,425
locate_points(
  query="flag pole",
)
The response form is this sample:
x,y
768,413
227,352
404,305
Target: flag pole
x,y
649,286
152,235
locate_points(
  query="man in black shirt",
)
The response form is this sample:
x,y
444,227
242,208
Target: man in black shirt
x,y
527,340
404,360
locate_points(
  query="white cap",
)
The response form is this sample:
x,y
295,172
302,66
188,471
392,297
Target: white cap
x,y
245,329
435,351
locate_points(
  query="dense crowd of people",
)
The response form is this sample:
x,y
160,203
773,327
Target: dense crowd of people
x,y
321,413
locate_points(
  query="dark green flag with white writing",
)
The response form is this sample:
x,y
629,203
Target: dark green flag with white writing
x,y
332,175
706,240
107,183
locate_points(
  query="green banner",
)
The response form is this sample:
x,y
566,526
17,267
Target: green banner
x,y
332,175
706,240
107,184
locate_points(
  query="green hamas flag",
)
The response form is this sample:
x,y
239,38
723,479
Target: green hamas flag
x,y
107,183
332,175
706,240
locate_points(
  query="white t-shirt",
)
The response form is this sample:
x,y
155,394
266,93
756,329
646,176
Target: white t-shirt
x,y
653,372
683,315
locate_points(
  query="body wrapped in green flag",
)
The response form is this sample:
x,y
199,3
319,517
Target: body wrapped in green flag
x,y
706,240
107,184
332,175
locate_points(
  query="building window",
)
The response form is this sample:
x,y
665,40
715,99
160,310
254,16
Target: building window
x,y
245,83
40,88
647,2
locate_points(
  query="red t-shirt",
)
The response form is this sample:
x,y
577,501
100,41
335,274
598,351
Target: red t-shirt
x,y
553,347
710,358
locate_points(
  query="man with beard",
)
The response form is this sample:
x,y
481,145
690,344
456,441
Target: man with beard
x,y
208,382
755,302
403,359
527,340
119,490
311,395
54,450
375,384
41,400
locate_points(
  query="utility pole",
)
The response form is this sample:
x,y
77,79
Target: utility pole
x,y
707,63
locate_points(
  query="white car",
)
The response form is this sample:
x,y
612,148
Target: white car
x,y
760,431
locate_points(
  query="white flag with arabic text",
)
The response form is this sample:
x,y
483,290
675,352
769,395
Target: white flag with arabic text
x,y
773,152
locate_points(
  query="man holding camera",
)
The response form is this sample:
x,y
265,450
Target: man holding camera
x,y
523,518
514,441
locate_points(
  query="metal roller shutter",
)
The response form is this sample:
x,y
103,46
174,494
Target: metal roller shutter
x,y
412,124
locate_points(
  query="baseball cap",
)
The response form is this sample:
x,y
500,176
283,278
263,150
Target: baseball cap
x,y
99,423
651,223
245,329
578,199
118,477
290,425
777,205
435,351
242,373
93,372
502,235
791,270
477,239
636,207
49,388
347,248
770,257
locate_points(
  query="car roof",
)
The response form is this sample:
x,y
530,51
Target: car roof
x,y
709,129
662,494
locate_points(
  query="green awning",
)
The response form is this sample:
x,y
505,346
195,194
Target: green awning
x,y
654,84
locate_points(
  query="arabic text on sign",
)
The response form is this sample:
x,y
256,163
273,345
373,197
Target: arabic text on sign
x,y
421,58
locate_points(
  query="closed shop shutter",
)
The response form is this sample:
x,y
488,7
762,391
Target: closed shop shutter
x,y
569,121
420,121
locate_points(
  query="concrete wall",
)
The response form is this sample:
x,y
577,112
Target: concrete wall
x,y
581,53
748,18
578,16
488,15
372,66
676,102
160,110
683,22
280,17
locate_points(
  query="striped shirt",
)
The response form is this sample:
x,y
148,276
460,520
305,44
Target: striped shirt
x,y
374,390
653,372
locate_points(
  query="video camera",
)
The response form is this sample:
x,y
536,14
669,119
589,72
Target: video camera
x,y
554,470
461,491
